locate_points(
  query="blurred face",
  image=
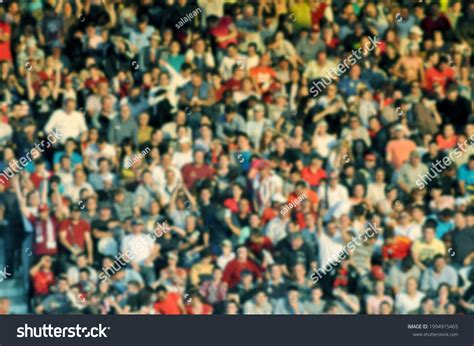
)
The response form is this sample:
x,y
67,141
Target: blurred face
x,y
63,286
70,106
276,272
254,221
439,264
379,287
261,298
293,297
332,229
76,215
217,275
137,229
429,234
196,79
412,285
199,157
242,254
448,131
125,112
299,270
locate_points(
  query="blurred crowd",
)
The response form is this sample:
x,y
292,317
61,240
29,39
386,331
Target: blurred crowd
x,y
201,115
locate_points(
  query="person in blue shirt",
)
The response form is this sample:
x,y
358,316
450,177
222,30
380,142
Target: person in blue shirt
x,y
69,150
466,177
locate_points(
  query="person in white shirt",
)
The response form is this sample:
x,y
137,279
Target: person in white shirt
x,y
232,58
331,243
376,190
139,250
267,184
335,196
322,140
406,228
410,301
227,254
184,155
70,122
73,190
320,67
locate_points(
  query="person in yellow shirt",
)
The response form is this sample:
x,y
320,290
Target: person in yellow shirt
x,y
144,130
425,249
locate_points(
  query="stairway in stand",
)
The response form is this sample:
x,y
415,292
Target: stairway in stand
x,y
12,288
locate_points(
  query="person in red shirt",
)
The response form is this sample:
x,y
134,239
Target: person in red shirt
x,y
42,276
95,79
5,51
395,247
45,227
75,235
448,139
314,173
40,173
223,31
302,192
198,170
278,201
237,193
235,82
438,73
168,303
235,267
256,243
263,75
197,306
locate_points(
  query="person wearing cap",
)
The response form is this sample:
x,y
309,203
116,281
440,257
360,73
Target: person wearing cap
x,y
75,237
